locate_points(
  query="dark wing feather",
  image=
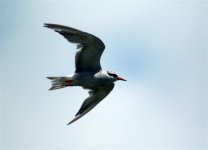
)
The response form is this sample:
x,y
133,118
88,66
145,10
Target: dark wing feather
x,y
91,47
95,97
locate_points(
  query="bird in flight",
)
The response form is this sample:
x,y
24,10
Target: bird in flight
x,y
88,72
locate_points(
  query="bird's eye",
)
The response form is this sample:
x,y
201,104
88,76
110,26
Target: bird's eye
x,y
112,74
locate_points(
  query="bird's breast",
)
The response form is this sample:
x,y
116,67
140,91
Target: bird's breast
x,y
90,81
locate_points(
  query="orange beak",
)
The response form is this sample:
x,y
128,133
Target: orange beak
x,y
120,78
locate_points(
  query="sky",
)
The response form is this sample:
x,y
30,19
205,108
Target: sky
x,y
160,47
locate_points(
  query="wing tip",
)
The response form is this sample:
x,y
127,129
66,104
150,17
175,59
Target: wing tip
x,y
50,25
68,123
73,120
46,24
55,27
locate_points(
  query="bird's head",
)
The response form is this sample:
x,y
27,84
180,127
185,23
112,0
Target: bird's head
x,y
115,76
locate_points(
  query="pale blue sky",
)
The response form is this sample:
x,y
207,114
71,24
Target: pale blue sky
x,y
160,47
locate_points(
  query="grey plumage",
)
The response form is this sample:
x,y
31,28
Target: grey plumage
x,y
91,48
95,96
88,73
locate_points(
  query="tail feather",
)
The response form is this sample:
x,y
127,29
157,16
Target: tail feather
x,y
58,82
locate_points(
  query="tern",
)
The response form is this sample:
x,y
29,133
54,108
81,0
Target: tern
x,y
88,72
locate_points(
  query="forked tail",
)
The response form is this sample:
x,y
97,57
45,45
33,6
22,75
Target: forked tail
x,y
60,82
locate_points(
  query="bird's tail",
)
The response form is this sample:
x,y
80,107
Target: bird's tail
x,y
60,82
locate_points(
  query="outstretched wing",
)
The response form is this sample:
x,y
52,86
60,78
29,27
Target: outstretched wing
x,y
95,97
91,47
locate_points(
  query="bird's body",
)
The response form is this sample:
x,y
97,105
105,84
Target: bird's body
x,y
88,73
87,80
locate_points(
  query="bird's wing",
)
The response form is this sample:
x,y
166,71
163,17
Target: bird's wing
x,y
94,98
91,47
